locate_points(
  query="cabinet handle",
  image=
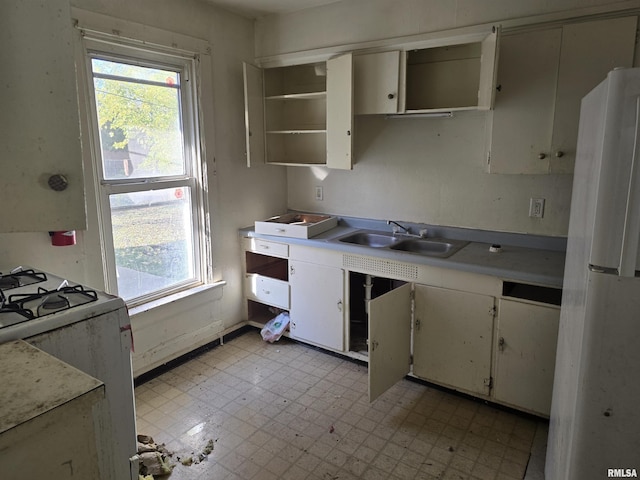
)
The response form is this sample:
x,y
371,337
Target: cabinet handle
x,y
501,344
391,96
559,154
348,133
266,292
266,247
542,156
374,344
292,270
281,230
339,305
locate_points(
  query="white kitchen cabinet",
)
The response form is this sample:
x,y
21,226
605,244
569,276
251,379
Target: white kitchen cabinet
x,y
300,115
389,339
456,75
39,120
376,83
266,278
453,338
542,77
449,74
526,337
317,304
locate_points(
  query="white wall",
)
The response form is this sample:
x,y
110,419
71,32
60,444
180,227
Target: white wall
x,y
432,170
237,195
421,170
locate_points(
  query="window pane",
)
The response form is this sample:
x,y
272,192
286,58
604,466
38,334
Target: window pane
x,y
134,72
153,241
139,119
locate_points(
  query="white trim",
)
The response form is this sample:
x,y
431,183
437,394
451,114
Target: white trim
x,y
137,33
118,47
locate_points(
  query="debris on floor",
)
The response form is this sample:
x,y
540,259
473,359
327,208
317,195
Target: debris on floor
x,y
154,458
196,458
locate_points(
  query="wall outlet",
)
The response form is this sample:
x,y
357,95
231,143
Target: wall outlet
x,y
536,207
319,195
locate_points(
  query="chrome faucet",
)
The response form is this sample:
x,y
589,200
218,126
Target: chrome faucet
x,y
396,227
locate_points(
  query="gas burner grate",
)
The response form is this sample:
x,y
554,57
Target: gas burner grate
x,y
19,277
44,302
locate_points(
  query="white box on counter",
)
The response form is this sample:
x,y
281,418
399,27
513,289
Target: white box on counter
x,y
296,225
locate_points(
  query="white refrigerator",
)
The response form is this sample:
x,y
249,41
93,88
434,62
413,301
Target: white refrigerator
x,y
594,429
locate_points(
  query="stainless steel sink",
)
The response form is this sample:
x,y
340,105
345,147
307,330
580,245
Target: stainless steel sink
x,y
432,247
376,240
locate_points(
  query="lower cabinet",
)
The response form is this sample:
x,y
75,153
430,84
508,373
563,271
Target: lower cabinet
x,y
526,337
477,334
317,304
452,338
389,339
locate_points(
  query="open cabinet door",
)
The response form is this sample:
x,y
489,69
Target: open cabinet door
x,y
253,114
389,339
340,112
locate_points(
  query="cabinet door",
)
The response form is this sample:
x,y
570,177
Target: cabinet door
x,y
317,300
39,120
590,50
389,339
524,102
376,82
452,338
526,355
253,114
340,112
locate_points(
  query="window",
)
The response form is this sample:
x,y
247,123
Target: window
x,y
149,179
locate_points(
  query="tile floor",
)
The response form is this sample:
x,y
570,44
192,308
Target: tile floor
x,y
288,411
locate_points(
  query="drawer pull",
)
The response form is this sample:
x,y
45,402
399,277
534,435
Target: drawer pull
x,y
501,343
266,292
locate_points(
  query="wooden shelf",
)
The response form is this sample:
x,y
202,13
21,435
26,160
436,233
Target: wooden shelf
x,y
295,132
299,96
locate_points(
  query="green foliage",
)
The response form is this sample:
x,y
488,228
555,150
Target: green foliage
x,y
145,115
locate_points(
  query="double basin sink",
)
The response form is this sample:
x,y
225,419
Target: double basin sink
x,y
430,247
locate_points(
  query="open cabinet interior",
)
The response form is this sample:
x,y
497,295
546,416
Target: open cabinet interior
x,y
362,289
267,287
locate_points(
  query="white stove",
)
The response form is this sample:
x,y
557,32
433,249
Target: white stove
x,y
89,330
33,302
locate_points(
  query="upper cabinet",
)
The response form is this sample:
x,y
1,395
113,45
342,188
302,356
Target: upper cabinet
x,y
451,74
300,114
376,83
42,184
542,77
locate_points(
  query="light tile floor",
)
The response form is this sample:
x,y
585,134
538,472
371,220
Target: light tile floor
x,y
288,411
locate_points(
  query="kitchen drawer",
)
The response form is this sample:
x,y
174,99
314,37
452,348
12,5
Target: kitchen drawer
x,y
266,247
267,290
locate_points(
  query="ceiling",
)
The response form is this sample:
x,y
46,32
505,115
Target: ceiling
x,y
259,8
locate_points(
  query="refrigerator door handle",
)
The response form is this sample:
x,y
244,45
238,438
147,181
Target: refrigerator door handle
x,y
631,233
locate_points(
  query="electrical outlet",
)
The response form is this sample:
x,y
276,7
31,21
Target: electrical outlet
x,y
319,195
536,207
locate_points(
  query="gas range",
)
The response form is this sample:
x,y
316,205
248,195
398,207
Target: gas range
x,y
33,302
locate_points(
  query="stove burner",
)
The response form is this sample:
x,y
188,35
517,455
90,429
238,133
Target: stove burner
x,y
54,302
19,277
9,282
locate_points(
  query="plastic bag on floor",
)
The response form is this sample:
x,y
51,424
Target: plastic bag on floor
x,y
274,328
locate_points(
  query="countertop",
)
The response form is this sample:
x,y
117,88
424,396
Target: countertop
x,y
34,382
529,259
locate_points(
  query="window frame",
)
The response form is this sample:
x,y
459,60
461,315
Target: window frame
x,y
187,63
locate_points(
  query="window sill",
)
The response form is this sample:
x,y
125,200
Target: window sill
x,y
176,296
